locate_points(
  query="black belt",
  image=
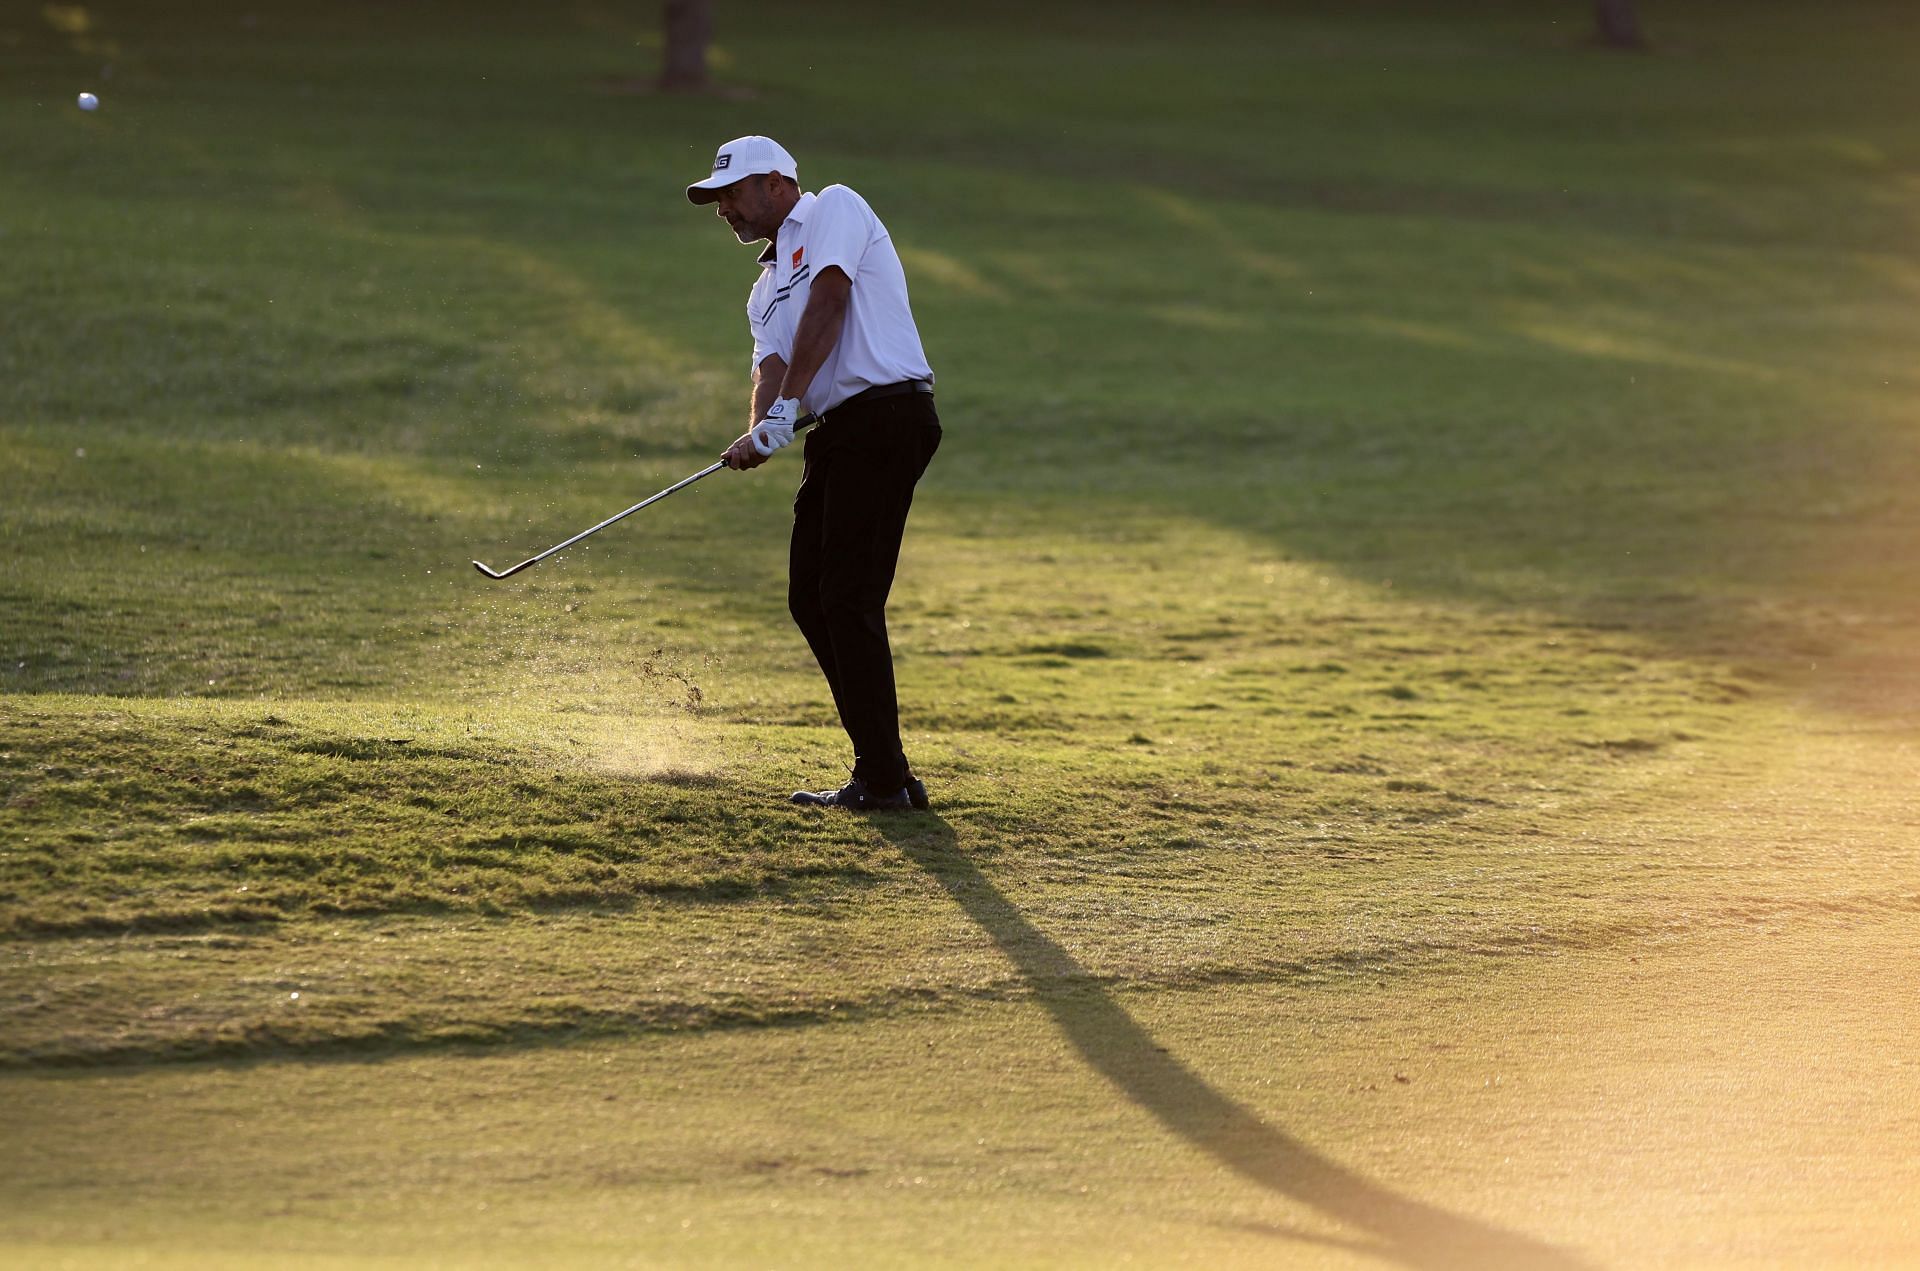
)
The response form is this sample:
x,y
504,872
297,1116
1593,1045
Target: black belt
x,y
883,390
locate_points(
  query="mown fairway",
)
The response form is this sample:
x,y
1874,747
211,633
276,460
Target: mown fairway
x,y
1409,633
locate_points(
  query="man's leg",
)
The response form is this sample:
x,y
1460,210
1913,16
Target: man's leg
x,y
805,557
866,498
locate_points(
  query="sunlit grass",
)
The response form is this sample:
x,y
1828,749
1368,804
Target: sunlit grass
x,y
1400,469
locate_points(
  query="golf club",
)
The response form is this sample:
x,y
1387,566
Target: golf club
x,y
652,498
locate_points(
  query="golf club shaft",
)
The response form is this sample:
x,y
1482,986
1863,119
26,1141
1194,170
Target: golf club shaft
x,y
652,498
800,426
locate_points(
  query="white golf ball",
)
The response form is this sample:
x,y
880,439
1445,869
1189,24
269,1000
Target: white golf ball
x,y
89,102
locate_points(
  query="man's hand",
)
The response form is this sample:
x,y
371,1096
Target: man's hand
x,y
775,428
742,454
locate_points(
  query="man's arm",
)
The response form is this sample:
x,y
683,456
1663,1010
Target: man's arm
x,y
766,386
743,454
820,325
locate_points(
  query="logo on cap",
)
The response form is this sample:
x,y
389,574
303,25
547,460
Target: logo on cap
x,y
722,161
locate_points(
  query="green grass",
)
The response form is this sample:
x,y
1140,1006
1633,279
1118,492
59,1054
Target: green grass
x,y
1402,469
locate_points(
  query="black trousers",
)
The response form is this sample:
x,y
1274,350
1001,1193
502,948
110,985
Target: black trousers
x,y
861,464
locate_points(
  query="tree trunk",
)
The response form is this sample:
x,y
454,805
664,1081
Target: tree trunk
x,y
689,31
1616,25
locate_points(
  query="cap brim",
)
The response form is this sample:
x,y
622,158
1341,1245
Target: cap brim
x,y
708,191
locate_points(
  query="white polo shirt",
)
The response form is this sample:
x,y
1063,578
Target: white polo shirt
x,y
879,343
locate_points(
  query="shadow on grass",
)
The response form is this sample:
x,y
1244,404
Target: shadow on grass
x,y
1396,1227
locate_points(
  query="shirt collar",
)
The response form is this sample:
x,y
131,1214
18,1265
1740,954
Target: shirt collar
x,y
798,214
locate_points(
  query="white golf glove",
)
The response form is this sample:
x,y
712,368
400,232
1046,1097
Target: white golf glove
x,y
776,429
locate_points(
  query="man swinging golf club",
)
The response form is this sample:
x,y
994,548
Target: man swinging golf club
x,y
833,337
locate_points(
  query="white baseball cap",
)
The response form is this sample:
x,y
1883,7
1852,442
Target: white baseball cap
x,y
743,157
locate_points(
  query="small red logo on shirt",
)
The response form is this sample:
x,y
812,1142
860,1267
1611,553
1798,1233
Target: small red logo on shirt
x,y
798,252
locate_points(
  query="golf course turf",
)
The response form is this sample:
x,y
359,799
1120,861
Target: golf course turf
x,y
1409,634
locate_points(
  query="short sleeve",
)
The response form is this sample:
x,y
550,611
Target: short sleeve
x,y
838,230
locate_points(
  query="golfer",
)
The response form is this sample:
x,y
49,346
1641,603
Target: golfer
x,y
833,337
